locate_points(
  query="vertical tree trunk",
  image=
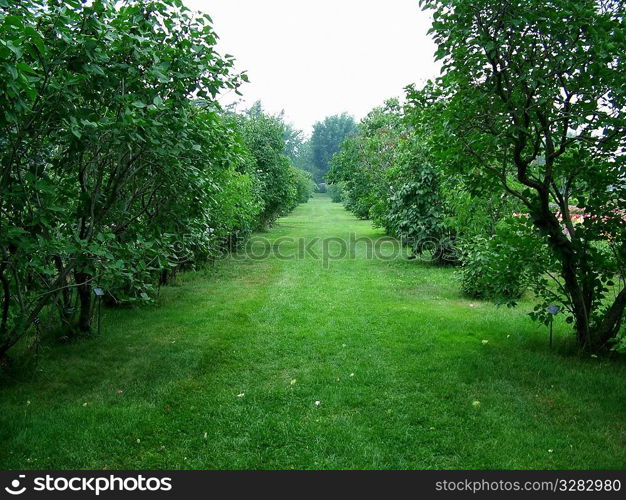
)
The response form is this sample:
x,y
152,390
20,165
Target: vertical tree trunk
x,y
83,280
581,312
566,253
610,324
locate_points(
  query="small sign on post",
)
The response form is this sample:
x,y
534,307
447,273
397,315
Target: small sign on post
x,y
552,310
99,293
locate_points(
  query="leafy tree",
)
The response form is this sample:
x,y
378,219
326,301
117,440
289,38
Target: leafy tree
x,y
536,104
349,169
364,160
386,173
434,208
304,159
264,136
304,184
326,140
97,105
294,140
335,191
117,167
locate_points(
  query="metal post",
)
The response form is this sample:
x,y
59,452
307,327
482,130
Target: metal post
x,y
551,319
99,293
552,311
100,318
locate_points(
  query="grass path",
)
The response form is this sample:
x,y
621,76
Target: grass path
x,y
393,353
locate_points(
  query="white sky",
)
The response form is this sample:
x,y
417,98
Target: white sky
x,y
314,58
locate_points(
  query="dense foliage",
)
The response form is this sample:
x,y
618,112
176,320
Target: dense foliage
x,y
386,172
364,159
512,163
281,185
325,141
536,105
117,165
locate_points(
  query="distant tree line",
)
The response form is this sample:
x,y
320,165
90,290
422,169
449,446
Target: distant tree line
x,y
314,154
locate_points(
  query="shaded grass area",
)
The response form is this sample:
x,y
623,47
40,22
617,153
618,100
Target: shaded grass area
x,y
226,373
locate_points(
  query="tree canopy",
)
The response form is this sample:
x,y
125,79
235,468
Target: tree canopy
x,y
326,140
512,163
118,166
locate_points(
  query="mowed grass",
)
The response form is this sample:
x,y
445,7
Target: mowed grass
x,y
226,374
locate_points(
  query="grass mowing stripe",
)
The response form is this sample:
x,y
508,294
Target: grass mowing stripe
x,y
226,373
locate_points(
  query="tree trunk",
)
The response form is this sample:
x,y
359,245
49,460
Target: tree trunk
x,y
581,312
610,324
581,295
547,222
83,280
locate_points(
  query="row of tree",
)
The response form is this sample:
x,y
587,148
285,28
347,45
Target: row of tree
x,y
513,163
117,166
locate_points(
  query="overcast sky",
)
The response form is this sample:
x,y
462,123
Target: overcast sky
x,y
314,58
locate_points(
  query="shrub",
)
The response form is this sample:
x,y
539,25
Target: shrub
x,y
281,185
336,192
501,266
305,186
118,167
488,272
417,209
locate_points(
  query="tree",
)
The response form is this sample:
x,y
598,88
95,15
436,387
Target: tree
x,y
264,137
294,140
326,140
536,103
364,160
117,166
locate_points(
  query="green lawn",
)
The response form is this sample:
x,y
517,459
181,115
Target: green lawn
x,y
407,372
